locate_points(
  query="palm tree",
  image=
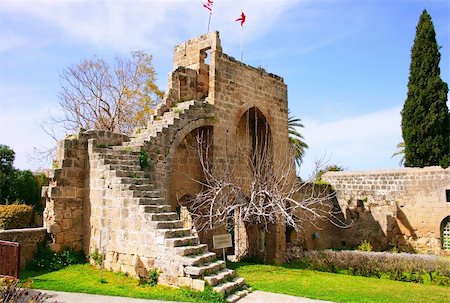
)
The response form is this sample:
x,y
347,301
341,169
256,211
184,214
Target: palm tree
x,y
400,151
295,138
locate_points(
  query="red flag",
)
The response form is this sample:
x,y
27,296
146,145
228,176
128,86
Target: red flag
x,y
209,5
242,18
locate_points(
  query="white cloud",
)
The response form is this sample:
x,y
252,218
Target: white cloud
x,y
125,25
20,130
367,141
10,40
23,109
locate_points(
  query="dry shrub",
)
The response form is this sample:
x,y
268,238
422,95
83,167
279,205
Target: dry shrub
x,y
397,266
16,216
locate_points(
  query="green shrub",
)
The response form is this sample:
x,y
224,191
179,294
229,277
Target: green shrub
x,y
97,257
25,188
208,295
16,216
397,266
143,160
365,246
151,279
46,259
19,185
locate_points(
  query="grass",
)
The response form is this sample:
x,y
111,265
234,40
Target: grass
x,y
88,279
295,281
287,279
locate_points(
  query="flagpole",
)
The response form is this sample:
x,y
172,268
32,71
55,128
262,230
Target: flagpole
x,y
242,39
209,22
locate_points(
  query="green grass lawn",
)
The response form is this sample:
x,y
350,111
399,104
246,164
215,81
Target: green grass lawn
x,y
337,287
88,279
280,279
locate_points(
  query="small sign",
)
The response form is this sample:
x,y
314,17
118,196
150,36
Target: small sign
x,y
222,241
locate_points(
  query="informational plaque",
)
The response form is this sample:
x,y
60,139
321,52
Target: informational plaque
x,y
222,241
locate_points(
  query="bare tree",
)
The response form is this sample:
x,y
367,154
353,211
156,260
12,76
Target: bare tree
x,y
253,188
118,98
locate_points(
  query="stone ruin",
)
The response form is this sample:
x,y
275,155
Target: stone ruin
x,y
101,198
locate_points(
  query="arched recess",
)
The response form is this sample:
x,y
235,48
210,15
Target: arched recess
x,y
255,157
254,140
445,233
186,169
187,173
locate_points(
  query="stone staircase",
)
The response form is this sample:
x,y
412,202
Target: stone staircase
x,y
122,164
158,124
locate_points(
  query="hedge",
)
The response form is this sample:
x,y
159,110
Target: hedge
x,y
397,266
16,216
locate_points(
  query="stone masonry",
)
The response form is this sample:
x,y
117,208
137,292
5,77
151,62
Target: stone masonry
x,y
29,239
404,207
119,194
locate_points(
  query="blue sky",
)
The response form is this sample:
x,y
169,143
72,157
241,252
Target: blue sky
x,y
346,63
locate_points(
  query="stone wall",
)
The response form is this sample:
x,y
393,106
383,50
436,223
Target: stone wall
x,y
398,207
239,89
63,214
317,232
234,89
29,239
98,192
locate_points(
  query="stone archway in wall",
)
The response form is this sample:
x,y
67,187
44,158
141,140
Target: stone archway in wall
x,y
445,233
187,174
255,154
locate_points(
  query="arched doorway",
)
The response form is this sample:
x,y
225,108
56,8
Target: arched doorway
x,y
445,233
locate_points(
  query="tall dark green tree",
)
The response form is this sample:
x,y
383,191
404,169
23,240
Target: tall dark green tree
x,y
7,156
425,116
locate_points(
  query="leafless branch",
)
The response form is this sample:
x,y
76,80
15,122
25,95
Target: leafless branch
x,y
259,189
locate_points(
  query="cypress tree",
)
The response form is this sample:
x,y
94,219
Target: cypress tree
x,y
425,116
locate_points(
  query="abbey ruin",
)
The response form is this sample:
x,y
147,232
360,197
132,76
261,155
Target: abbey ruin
x,y
103,197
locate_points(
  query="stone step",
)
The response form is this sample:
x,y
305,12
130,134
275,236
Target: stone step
x,y
228,287
157,209
123,167
145,187
118,155
204,269
168,224
163,216
182,241
220,277
147,134
174,232
134,143
128,180
151,201
182,106
119,151
130,174
139,143
120,148
233,298
196,260
141,194
191,250
119,161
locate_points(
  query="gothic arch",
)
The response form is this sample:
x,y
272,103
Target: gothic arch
x,y
445,233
